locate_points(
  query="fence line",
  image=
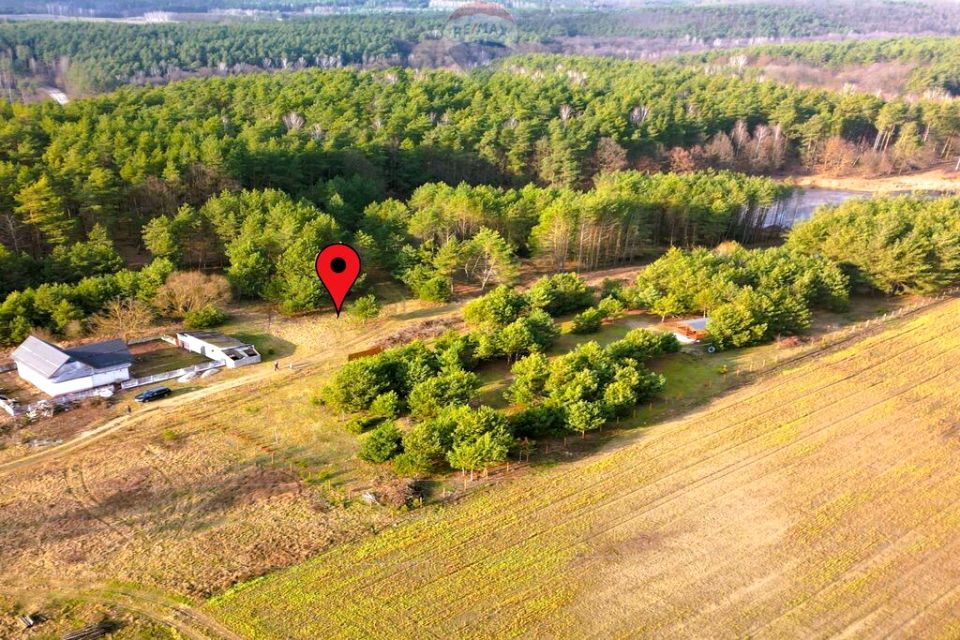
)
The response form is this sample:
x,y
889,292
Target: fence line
x,y
15,408
168,375
143,340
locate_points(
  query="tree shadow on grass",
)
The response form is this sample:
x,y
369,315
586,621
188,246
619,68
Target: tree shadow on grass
x,y
427,312
696,383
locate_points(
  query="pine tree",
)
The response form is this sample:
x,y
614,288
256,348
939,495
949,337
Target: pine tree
x,y
40,205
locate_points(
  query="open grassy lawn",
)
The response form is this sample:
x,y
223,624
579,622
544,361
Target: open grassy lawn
x,y
160,357
820,501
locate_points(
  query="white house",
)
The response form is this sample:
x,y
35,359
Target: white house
x,y
216,346
57,371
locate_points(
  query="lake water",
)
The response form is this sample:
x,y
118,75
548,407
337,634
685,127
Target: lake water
x,y
804,201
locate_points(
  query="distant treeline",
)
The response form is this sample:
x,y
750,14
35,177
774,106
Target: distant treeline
x,y
86,58
937,58
128,8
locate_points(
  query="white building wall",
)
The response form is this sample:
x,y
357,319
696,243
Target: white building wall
x,y
191,344
103,378
243,362
214,352
199,346
50,387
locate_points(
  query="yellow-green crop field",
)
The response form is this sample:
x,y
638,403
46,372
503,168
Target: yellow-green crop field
x,y
821,501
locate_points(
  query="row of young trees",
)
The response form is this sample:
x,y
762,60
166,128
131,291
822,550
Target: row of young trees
x,y
749,296
506,324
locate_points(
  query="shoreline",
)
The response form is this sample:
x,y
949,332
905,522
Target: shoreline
x,y
928,180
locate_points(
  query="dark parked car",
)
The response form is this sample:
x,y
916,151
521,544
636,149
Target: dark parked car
x,y
153,394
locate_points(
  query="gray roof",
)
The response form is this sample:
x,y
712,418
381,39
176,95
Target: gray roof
x,y
216,339
102,355
47,358
697,324
40,356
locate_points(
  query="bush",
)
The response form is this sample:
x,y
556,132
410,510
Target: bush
x,y
365,308
538,421
560,294
527,334
188,291
611,288
358,384
430,397
360,424
425,281
387,405
433,289
204,318
529,377
481,438
610,307
426,443
643,344
382,444
543,329
583,416
588,322
498,308
457,350
406,465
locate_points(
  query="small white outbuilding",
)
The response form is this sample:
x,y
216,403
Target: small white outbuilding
x,y
216,346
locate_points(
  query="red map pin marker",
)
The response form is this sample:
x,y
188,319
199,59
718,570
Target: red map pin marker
x,y
338,266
